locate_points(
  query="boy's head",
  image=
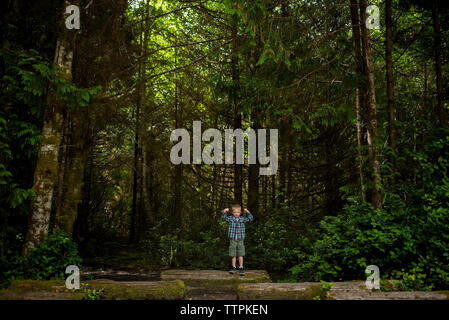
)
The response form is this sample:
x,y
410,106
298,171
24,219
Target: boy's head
x,y
236,210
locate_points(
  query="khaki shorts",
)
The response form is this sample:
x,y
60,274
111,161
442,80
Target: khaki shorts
x,y
236,248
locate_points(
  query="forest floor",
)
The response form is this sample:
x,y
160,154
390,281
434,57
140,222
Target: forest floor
x,y
138,284
256,284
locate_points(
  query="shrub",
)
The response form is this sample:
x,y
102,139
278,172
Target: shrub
x,y
47,262
51,258
408,240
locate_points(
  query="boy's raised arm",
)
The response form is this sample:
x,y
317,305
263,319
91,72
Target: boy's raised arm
x,y
250,217
224,216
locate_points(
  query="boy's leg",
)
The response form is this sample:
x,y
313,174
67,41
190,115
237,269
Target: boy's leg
x,y
240,261
233,269
241,270
241,253
233,254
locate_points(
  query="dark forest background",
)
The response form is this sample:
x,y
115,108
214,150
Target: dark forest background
x,y
86,117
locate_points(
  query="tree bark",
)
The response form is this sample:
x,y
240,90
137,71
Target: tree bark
x,y
137,151
438,65
371,111
359,143
361,88
143,205
235,107
133,223
74,178
58,203
390,83
46,172
253,179
178,175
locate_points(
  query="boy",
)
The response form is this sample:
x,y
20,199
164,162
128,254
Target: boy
x,y
236,234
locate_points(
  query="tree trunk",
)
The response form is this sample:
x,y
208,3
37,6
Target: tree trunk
x,y
46,173
371,110
74,178
58,203
289,187
142,212
438,67
359,143
390,83
282,166
360,87
178,176
146,194
253,178
136,171
235,107
138,211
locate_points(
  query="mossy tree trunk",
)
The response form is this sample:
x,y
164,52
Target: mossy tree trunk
x,y
390,81
360,90
138,214
237,118
74,176
253,177
359,143
438,64
371,111
46,172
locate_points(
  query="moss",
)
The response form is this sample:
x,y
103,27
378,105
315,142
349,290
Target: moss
x,y
34,289
164,290
234,280
310,293
37,285
444,292
222,284
227,284
176,291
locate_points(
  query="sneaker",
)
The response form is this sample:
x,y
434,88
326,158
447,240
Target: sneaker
x,y
242,271
233,270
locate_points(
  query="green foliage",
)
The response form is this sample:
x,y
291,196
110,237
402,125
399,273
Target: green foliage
x,y
47,262
29,77
408,240
90,294
26,80
272,245
293,70
171,251
19,130
325,287
50,259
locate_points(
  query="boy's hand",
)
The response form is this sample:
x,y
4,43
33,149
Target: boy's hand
x,y
246,210
226,210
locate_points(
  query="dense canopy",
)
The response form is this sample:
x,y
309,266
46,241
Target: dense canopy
x,y
87,116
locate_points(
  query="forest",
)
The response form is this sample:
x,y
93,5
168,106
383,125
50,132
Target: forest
x,y
352,98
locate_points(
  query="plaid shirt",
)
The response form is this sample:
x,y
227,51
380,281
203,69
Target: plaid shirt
x,y
236,228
